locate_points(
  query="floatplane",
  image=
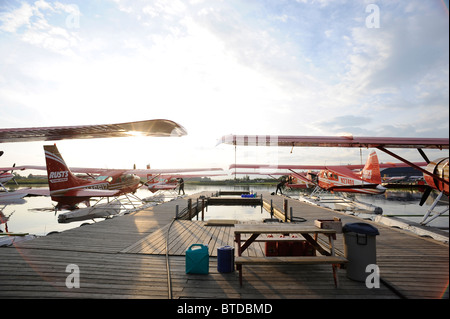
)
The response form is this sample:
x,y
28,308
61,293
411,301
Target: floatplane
x,y
6,175
170,182
157,127
337,180
69,190
436,172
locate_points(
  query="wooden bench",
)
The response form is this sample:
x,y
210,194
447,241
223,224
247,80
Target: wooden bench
x,y
297,260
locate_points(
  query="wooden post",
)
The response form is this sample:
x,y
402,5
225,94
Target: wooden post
x,y
291,215
190,208
196,209
271,209
262,204
285,209
203,209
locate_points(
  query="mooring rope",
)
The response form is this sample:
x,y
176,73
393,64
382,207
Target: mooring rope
x,y
169,280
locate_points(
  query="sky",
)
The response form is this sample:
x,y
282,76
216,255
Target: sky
x,y
271,67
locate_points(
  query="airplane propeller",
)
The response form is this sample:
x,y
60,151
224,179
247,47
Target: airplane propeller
x,y
423,155
425,195
428,189
14,165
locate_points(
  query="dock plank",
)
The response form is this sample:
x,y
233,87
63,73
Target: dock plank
x,y
125,258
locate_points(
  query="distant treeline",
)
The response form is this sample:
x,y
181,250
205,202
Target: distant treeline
x,y
42,179
30,179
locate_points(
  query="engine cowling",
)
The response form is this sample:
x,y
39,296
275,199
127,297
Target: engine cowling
x,y
438,167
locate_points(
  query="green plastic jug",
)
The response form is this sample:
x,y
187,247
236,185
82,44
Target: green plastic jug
x,y
197,259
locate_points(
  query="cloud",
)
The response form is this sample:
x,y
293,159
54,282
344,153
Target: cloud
x,y
31,24
288,67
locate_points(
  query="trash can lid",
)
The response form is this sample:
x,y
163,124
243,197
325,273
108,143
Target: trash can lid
x,y
360,228
226,248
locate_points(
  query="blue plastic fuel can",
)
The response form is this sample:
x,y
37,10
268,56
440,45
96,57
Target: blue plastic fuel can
x,y
197,259
225,259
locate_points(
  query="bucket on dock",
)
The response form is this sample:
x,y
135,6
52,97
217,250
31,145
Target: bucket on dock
x,y
225,259
197,259
359,248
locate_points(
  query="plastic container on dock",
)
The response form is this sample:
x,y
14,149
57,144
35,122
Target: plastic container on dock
x,y
197,259
359,249
225,259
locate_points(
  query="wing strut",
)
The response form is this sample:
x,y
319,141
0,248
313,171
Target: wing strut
x,y
413,165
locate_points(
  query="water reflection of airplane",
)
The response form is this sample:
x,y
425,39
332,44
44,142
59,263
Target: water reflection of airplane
x,y
69,190
436,173
6,237
158,127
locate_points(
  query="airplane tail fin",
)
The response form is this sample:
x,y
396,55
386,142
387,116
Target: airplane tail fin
x,y
371,171
58,173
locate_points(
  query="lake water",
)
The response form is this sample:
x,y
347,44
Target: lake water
x,y
35,215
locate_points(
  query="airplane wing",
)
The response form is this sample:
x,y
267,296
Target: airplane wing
x,y
276,167
75,192
7,169
381,143
34,191
319,167
336,141
91,192
145,172
158,127
167,176
108,171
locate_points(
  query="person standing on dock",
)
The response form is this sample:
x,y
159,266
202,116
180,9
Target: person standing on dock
x,y
280,185
181,186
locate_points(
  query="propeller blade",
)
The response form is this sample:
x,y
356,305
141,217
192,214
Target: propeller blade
x,y
425,195
423,155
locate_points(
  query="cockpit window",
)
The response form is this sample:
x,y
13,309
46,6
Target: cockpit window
x,y
104,178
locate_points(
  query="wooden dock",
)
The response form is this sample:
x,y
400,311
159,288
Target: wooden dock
x,y
125,257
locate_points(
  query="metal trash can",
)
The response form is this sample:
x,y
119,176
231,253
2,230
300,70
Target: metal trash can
x,y
359,249
225,259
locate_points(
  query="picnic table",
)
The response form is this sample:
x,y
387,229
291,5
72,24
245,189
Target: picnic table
x,y
309,233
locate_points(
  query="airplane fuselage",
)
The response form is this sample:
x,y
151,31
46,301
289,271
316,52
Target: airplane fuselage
x,y
5,177
125,183
122,183
335,182
159,183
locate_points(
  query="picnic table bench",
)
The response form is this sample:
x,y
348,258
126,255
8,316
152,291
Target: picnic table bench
x,y
255,230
